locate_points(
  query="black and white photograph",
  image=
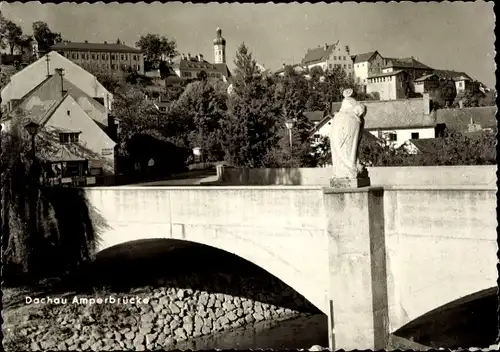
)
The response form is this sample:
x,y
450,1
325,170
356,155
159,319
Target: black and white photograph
x,y
235,176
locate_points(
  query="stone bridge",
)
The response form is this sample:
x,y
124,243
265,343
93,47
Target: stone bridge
x,y
372,259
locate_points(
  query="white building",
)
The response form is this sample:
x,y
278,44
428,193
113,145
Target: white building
x,y
366,65
329,56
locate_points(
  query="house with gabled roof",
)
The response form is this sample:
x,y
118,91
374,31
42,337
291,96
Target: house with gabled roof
x,y
22,82
462,80
397,78
365,65
396,121
329,56
75,144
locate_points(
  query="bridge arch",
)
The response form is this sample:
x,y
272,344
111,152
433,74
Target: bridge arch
x,y
470,321
275,261
181,260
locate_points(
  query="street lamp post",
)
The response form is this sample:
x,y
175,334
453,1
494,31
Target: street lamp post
x,y
32,129
289,126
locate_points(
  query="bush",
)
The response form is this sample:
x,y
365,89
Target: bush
x,y
46,231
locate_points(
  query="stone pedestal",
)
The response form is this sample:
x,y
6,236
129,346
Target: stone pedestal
x,y
350,182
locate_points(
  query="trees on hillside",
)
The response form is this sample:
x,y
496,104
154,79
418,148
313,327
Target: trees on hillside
x,y
12,37
156,48
44,35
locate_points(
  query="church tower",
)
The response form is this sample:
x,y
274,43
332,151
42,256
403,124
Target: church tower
x,y
219,48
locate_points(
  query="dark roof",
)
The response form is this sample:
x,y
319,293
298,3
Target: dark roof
x,y
459,119
409,62
318,54
426,77
387,74
222,68
397,114
363,57
50,89
186,64
424,145
452,75
314,116
100,47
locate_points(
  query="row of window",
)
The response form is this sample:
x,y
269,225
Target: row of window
x,y
122,67
381,79
195,74
85,56
341,58
344,66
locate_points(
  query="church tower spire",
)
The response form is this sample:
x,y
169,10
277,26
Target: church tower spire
x,y
219,48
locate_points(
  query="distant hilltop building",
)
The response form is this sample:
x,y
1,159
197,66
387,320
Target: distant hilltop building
x,y
329,56
106,56
190,67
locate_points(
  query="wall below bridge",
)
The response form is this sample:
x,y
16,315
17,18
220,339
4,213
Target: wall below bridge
x,y
377,257
394,175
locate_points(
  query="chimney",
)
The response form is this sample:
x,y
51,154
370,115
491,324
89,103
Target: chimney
x,y
461,103
200,57
284,65
427,103
326,46
60,72
348,51
189,56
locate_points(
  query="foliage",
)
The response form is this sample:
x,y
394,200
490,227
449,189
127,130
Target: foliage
x,y
45,232
44,36
199,111
112,81
11,35
135,113
156,48
250,127
471,99
452,148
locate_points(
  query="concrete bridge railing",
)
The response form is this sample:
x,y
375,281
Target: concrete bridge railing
x,y
372,259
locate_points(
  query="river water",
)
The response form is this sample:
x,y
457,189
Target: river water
x,y
295,333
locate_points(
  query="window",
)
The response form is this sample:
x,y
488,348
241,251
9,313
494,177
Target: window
x,y
392,137
123,57
113,57
330,65
460,84
345,66
68,137
113,66
414,135
68,112
343,58
350,66
335,58
104,56
73,56
317,138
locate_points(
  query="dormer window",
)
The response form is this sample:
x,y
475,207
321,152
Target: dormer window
x,y
66,138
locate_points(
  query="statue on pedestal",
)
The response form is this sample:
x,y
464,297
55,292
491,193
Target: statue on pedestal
x,y
345,135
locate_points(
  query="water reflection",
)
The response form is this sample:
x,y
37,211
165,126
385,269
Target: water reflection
x,y
296,333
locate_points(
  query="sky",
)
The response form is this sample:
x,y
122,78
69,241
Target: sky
x,y
457,36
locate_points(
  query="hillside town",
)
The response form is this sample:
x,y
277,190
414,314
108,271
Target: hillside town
x,y
115,112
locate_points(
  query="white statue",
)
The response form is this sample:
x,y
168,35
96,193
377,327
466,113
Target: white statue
x,y
345,136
